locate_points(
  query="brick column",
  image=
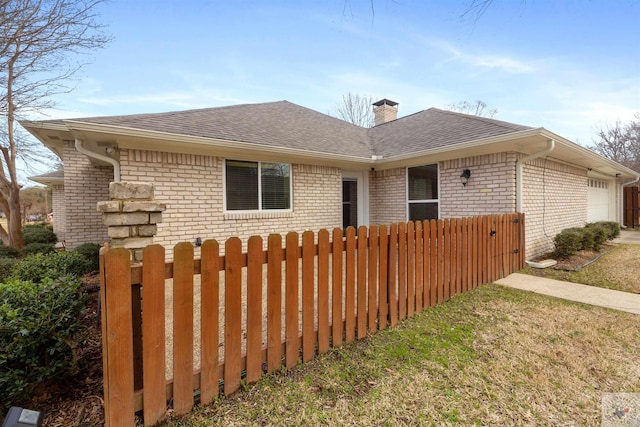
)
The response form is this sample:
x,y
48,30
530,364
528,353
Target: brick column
x,y
131,216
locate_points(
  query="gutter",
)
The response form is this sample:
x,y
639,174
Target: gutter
x,y
551,144
634,181
114,162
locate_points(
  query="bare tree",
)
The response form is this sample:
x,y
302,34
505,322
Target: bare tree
x,y
476,108
39,40
620,142
476,9
356,109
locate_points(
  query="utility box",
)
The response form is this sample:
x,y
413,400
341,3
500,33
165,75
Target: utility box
x,y
20,417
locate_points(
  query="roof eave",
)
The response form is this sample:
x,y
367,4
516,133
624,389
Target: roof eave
x,y
47,181
452,151
525,141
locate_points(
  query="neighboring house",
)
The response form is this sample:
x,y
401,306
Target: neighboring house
x,y
276,167
55,180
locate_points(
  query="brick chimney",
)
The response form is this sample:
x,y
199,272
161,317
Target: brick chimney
x,y
385,111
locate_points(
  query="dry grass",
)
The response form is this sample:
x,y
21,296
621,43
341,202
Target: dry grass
x,y
619,269
493,356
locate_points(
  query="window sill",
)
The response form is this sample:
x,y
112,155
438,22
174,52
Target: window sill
x,y
257,214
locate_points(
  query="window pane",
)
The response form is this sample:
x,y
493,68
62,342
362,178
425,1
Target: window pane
x,y
242,185
276,186
349,203
423,182
422,211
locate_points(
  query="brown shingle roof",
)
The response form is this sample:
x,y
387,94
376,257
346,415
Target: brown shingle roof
x,y
283,124
434,128
277,124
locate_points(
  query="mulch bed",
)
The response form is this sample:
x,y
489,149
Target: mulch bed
x,y
78,401
574,262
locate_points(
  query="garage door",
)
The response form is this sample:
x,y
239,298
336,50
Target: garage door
x,y
597,200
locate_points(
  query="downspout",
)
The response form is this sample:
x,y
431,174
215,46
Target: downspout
x,y
114,162
551,144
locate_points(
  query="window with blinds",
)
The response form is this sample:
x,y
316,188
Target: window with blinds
x,y
252,186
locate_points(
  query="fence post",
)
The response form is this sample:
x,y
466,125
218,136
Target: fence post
x,y
117,337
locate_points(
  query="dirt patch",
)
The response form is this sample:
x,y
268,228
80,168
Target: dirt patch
x,y
578,260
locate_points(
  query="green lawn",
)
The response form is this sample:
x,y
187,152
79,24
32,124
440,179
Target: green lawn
x,y
493,356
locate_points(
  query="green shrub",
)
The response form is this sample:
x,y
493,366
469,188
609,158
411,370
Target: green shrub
x,y
8,252
38,233
91,251
7,265
38,248
568,242
39,324
600,234
588,238
36,268
611,228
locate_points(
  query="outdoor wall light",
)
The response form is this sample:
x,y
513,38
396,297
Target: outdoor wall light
x,y
464,177
198,241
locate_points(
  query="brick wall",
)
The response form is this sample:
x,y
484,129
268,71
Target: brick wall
x,y
191,188
59,211
387,196
491,188
554,198
555,195
85,184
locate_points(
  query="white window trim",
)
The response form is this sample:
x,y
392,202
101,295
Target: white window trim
x,y
425,200
226,211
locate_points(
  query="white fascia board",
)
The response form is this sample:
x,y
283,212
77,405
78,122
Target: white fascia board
x,y
592,155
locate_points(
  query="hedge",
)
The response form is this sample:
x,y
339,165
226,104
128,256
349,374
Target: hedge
x,y
38,336
590,237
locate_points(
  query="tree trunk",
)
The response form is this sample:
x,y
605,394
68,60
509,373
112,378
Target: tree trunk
x,y
14,220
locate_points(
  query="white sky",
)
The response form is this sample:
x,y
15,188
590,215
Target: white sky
x,y
565,65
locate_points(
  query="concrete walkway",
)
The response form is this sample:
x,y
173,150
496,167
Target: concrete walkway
x,y
617,300
628,236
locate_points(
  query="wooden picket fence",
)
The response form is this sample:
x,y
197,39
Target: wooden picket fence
x,y
352,284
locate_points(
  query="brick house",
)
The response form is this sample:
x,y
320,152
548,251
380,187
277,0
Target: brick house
x,y
275,167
